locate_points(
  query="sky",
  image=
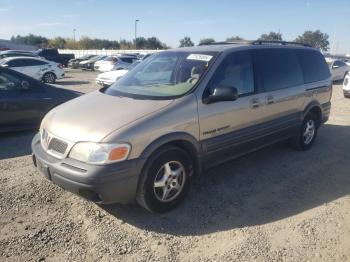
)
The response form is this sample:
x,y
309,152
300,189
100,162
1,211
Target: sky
x,y
172,20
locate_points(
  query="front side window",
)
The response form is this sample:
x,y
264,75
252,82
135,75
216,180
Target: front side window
x,y
236,70
163,75
9,82
279,68
16,63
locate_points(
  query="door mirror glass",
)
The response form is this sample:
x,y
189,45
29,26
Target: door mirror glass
x,y
222,93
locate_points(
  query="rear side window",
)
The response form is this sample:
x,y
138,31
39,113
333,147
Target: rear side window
x,y
236,70
33,62
339,63
313,65
127,59
279,68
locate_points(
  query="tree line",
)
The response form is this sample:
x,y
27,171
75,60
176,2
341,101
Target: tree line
x,y
88,43
316,39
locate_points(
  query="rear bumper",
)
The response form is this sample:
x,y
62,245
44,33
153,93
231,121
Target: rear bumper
x,y
114,183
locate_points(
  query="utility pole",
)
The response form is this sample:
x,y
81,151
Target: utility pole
x,y
74,34
136,33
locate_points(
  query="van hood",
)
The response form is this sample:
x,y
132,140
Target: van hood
x,y
93,116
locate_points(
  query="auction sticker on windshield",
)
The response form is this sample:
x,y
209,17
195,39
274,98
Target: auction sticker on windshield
x,y
199,57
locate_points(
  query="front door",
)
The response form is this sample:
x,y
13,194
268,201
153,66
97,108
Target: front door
x,y
225,125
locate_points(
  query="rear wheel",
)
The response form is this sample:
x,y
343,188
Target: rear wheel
x,y
307,133
49,78
166,180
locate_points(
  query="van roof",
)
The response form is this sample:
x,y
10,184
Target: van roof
x,y
222,46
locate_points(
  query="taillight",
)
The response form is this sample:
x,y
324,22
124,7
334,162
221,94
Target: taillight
x,y
60,66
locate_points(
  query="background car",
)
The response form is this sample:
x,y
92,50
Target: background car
x,y
114,63
339,69
37,68
11,53
74,63
89,64
346,86
347,61
24,101
52,54
108,78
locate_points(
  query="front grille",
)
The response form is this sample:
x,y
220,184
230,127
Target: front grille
x,y
58,146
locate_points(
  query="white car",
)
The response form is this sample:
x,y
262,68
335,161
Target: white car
x,y
108,78
38,68
346,86
339,69
114,63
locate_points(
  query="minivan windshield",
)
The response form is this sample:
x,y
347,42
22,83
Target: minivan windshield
x,y
163,75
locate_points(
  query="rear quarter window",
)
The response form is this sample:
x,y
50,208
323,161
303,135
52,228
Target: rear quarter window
x,y
313,64
278,68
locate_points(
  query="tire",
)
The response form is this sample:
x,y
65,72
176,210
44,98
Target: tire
x,y
307,133
153,183
49,78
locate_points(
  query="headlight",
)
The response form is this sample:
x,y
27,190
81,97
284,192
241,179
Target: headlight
x,y
99,153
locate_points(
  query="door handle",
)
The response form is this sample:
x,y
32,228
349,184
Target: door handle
x,y
255,102
270,100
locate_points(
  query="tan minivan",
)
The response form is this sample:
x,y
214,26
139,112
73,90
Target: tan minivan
x,y
180,112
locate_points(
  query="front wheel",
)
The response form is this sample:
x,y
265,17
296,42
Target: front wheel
x,y
307,133
49,78
165,180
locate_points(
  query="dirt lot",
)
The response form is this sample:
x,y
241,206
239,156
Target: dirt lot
x,y
273,205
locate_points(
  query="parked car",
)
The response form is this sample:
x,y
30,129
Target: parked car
x,y
38,68
52,54
74,63
339,69
114,63
346,86
11,53
89,64
24,100
108,78
180,112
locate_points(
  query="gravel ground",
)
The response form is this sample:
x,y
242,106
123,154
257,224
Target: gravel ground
x,y
273,205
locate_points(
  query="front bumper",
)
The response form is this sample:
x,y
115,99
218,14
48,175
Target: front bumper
x,y
113,183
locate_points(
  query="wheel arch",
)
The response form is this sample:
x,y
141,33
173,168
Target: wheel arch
x,y
315,108
182,140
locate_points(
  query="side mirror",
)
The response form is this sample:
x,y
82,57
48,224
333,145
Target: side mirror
x,y
222,93
25,85
335,66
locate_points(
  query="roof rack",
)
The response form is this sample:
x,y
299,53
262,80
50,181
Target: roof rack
x,y
257,42
261,42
